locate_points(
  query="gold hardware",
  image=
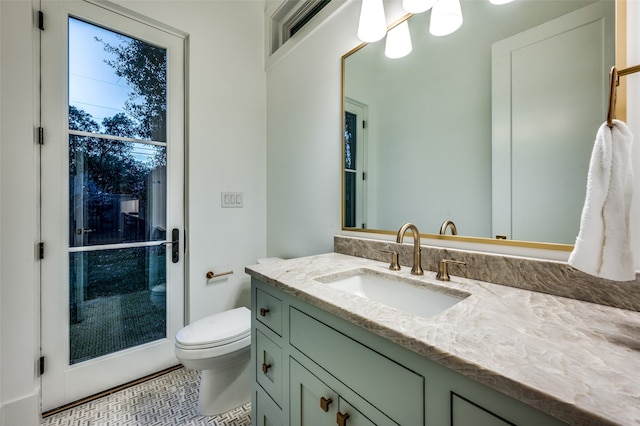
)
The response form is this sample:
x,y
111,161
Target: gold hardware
x,y
614,80
264,312
211,274
501,237
324,403
394,266
417,258
265,367
443,271
342,418
448,224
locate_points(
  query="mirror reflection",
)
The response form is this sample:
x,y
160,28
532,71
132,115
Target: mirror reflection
x,y
490,127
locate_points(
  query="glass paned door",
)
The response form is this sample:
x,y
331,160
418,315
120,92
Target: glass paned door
x,y
120,151
117,191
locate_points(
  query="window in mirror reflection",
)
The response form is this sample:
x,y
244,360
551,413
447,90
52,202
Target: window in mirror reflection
x,y
350,151
355,163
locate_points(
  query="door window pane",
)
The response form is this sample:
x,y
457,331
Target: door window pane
x,y
117,191
117,300
117,84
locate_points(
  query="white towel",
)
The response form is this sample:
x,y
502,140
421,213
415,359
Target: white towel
x,y
603,247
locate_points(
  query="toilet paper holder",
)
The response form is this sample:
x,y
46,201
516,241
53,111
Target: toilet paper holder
x,y
211,274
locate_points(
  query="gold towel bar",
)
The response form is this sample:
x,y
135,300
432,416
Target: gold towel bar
x,y
614,81
211,275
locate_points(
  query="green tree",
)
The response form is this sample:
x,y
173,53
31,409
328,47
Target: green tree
x,y
144,67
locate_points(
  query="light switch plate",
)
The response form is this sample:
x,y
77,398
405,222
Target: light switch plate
x,y
231,199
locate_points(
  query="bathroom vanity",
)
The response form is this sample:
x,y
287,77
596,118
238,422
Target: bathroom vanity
x,y
499,356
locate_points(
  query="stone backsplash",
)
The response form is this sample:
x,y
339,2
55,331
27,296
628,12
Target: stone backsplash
x,y
550,277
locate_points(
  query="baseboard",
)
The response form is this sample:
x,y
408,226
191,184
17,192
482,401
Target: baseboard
x,y
21,412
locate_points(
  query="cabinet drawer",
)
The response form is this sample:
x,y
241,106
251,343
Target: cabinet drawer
x,y
269,366
387,385
467,413
269,311
266,412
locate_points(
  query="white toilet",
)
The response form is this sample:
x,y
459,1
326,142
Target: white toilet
x,y
159,296
220,347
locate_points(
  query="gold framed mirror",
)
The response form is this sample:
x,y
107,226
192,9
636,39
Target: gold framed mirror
x,y
491,127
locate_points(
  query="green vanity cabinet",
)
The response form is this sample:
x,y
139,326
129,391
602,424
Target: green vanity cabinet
x,y
313,368
314,403
265,412
466,413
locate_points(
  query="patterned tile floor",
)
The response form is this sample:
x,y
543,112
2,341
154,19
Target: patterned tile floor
x,y
168,400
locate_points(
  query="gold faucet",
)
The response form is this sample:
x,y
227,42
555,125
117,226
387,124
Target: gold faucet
x,y
450,224
417,257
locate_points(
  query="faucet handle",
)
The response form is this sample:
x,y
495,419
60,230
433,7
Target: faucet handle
x,y
443,270
394,266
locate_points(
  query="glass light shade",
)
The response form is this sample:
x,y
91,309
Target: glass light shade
x,y
418,6
500,1
446,17
373,24
398,42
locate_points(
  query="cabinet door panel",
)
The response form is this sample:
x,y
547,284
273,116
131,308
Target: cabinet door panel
x,y
269,366
356,418
266,412
390,387
467,413
306,392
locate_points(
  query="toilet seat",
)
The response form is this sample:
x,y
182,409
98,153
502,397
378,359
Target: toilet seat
x,y
216,330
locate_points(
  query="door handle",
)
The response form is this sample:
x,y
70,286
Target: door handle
x,y
175,245
84,231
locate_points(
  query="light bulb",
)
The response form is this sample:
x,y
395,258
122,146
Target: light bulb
x,y
446,17
417,6
398,42
373,24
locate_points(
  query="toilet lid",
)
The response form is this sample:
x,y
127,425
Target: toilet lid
x,y
216,330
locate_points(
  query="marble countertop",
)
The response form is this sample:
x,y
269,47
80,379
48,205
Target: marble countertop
x,y
577,361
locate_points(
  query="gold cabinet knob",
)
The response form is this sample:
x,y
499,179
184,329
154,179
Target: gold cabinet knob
x,y
324,403
264,312
342,418
265,367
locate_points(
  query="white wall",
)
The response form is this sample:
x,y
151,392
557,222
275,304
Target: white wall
x,y
633,115
227,152
226,142
303,139
18,294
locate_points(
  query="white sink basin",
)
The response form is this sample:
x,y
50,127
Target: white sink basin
x,y
392,291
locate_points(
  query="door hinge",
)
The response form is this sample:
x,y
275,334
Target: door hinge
x,y
364,124
40,251
41,365
41,135
41,20
364,175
